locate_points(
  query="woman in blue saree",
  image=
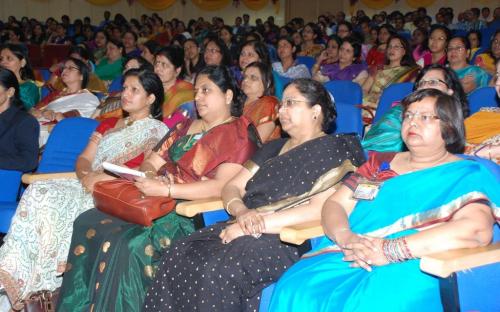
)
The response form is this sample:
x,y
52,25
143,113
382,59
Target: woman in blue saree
x,y
428,201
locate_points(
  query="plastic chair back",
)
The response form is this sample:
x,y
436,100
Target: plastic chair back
x,y
116,85
66,141
486,34
309,61
348,120
279,84
345,91
394,92
10,183
483,97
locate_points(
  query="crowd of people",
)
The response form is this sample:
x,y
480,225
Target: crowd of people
x,y
195,108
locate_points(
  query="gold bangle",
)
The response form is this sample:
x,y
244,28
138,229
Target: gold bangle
x,y
230,202
169,190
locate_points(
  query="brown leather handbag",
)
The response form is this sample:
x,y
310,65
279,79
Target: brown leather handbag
x,y
41,301
122,199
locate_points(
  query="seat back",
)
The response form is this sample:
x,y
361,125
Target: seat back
x,y
309,61
116,85
345,91
66,141
348,120
54,53
279,84
394,92
10,183
483,97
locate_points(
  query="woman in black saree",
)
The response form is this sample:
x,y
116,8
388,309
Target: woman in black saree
x,y
224,267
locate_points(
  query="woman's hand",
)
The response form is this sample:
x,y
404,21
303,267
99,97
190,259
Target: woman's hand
x,y
230,233
365,252
58,116
251,222
36,113
151,186
90,179
49,114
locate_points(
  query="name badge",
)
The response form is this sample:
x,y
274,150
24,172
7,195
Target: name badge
x,y
366,190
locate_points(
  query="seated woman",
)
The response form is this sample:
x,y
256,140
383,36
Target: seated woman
x,y
179,94
377,55
129,39
471,76
399,67
34,252
328,57
261,107
111,66
225,266
98,45
74,100
193,62
488,59
110,106
18,130
369,260
348,66
311,36
149,49
194,161
14,58
216,53
438,41
288,67
419,43
251,51
385,134
474,38
483,129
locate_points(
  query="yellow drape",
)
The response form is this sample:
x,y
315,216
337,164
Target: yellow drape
x,y
377,4
211,5
420,3
157,5
255,5
103,2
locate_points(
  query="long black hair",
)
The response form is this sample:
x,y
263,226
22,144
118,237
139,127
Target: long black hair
x,y
222,77
152,85
26,72
8,80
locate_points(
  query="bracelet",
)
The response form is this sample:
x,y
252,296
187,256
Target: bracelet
x,y
150,173
396,250
230,202
169,190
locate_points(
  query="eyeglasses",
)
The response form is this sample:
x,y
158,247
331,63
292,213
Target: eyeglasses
x,y
425,118
459,49
289,103
432,83
213,50
251,77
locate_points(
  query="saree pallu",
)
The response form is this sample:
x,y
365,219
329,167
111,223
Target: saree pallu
x,y
199,273
35,249
385,134
486,62
481,78
383,78
405,204
29,94
334,72
262,111
84,102
483,129
181,92
111,262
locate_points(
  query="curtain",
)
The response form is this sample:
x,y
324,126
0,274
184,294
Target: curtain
x,y
377,4
211,5
255,5
103,2
157,5
420,3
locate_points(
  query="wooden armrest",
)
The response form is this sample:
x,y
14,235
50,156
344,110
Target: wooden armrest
x,y
299,233
445,263
29,178
193,207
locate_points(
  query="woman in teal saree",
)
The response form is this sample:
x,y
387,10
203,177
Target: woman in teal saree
x,y
428,201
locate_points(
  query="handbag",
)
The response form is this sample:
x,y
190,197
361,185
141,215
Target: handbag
x,y
41,301
122,199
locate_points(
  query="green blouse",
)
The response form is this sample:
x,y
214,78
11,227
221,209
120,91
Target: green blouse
x,y
109,71
29,93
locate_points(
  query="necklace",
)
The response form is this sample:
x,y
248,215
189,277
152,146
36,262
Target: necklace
x,y
129,121
431,165
203,126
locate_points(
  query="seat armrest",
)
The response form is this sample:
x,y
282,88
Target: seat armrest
x,y
193,207
445,263
298,234
29,178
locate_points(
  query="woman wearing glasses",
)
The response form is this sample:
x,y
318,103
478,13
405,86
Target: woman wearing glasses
x,y
471,76
397,208
224,267
216,53
385,135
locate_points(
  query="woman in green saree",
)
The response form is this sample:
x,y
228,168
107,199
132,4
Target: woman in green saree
x,y
111,262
